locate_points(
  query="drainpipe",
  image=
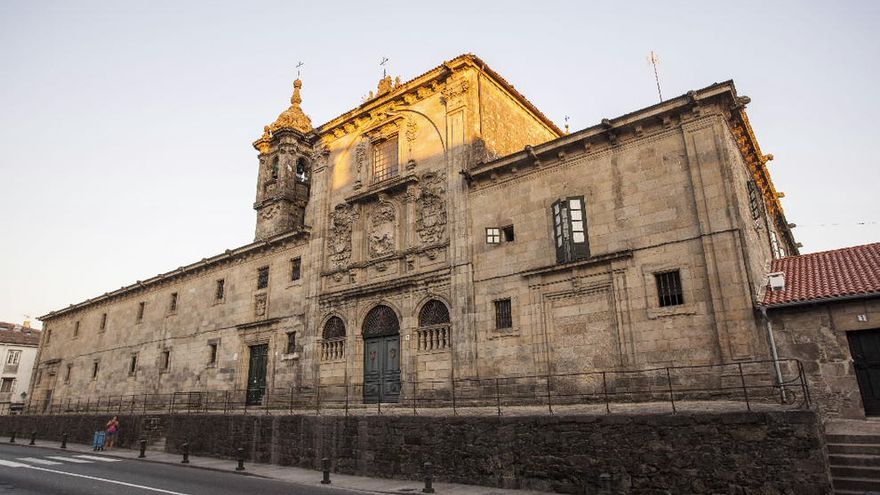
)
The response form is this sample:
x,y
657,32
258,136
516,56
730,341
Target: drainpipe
x,y
773,352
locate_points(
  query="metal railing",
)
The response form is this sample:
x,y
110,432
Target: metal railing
x,y
750,384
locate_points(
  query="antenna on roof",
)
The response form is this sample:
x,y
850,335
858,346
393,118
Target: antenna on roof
x,y
382,62
298,65
653,59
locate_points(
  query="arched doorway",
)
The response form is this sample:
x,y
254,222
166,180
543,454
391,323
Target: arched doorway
x,y
381,356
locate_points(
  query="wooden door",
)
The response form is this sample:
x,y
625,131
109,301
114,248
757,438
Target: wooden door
x,y
865,348
256,384
382,369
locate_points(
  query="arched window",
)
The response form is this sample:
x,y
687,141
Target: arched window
x,y
434,328
302,170
333,339
381,321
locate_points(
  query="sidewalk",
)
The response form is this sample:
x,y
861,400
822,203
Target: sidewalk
x,y
290,474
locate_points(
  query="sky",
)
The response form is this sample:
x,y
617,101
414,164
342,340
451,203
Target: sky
x,y
126,126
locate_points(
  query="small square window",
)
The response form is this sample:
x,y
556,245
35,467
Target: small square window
x,y
295,268
503,314
13,357
669,289
172,303
220,290
263,277
291,342
493,235
140,314
508,233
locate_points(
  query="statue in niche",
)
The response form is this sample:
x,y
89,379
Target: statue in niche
x,y
431,208
383,223
339,242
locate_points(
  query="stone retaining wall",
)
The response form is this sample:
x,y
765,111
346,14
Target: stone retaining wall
x,y
733,453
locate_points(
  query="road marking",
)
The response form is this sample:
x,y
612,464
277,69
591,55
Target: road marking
x,y
12,464
39,461
96,458
68,459
105,480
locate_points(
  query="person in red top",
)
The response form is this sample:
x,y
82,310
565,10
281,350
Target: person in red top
x,y
112,430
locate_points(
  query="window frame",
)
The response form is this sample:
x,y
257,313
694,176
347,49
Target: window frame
x,y
11,381
296,268
291,343
213,353
68,372
498,307
493,235
263,277
173,302
670,290
132,364
140,312
568,223
13,353
392,169
165,364
219,290
96,364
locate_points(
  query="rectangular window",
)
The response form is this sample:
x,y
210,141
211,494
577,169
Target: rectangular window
x,y
140,315
95,370
103,321
76,329
385,164
263,277
220,290
570,229
166,360
172,303
212,353
295,268
67,373
754,200
493,235
291,342
669,288
13,357
508,233
132,364
6,385
503,315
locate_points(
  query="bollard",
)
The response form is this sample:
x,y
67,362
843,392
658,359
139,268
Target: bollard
x,y
64,441
185,448
429,478
604,484
325,465
143,453
33,438
240,466
12,438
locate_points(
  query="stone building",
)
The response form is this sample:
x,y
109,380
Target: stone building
x,y
446,229
18,350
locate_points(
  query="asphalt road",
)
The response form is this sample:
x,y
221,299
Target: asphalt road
x,y
33,470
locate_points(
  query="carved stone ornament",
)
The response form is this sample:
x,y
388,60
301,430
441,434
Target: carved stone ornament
x,y
454,92
431,208
383,224
339,242
361,155
318,157
269,212
260,301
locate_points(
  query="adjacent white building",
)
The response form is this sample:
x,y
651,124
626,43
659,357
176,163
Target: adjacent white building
x,y
18,350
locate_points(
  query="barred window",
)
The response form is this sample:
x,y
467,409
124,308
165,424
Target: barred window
x,y
295,268
334,329
503,315
493,235
434,312
385,164
263,277
754,200
669,288
291,342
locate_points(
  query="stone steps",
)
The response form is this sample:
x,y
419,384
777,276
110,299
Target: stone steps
x,y
855,463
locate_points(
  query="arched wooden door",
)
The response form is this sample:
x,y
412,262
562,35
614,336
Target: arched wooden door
x,y
381,356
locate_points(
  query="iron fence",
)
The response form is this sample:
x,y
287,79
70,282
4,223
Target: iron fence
x,y
749,385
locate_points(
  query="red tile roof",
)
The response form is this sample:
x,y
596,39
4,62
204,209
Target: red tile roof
x,y
852,271
11,333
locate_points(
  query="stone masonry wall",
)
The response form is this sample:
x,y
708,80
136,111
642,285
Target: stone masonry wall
x,y
766,453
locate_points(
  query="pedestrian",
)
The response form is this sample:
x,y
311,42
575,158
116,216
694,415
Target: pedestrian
x,y
112,431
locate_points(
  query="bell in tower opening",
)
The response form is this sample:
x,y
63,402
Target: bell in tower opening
x,y
283,178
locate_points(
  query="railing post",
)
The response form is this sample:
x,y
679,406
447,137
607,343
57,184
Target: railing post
x,y
742,380
454,408
346,399
317,400
414,396
671,396
605,393
429,478
325,466
549,399
240,456
497,397
290,402
143,446
225,401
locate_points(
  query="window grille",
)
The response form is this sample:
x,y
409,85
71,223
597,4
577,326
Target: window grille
x,y
503,314
385,164
381,321
295,268
434,330
220,292
669,288
754,200
263,277
493,235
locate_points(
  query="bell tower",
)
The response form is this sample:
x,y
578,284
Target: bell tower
x,y
284,176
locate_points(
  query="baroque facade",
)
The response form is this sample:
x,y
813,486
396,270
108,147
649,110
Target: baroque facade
x,y
445,228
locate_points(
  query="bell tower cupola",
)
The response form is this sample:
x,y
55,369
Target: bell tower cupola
x,y
285,172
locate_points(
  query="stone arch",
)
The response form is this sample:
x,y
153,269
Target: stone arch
x,y
333,328
434,312
434,330
380,321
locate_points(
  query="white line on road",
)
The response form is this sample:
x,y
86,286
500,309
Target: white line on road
x,y
105,480
96,458
12,464
34,460
68,459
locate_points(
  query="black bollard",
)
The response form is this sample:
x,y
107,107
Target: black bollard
x,y
325,466
429,478
12,438
605,484
185,448
64,441
240,466
143,453
33,438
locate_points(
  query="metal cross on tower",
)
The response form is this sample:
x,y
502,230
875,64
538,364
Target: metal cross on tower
x,y
382,62
298,65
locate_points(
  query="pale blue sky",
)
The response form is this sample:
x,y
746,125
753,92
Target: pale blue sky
x,y
125,127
